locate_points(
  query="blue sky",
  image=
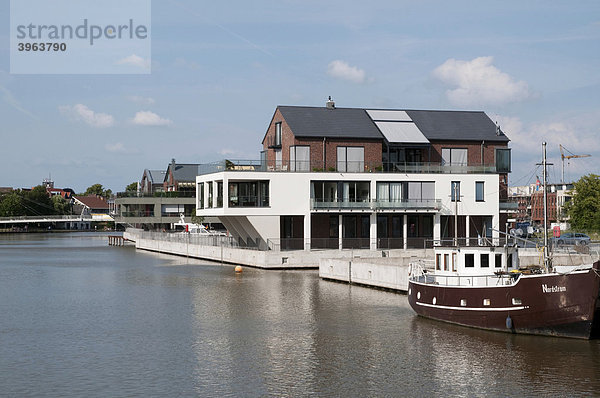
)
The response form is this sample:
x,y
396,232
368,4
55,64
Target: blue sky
x,y
220,69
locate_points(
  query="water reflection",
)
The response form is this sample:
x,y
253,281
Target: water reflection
x,y
80,318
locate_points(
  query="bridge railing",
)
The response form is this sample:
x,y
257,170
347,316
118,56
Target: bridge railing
x,y
47,218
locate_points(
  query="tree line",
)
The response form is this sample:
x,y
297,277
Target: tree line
x,y
37,202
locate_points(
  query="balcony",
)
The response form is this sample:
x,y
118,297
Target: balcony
x,y
249,201
344,167
341,205
408,204
171,194
378,205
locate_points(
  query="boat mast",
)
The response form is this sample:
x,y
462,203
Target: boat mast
x,y
546,251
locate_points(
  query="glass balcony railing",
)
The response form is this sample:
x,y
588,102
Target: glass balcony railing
x,y
345,167
423,204
171,194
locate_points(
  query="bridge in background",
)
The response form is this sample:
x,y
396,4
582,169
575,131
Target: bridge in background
x,y
44,219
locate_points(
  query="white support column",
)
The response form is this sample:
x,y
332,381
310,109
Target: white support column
x,y
226,192
437,227
340,230
373,232
215,193
405,231
495,228
307,221
467,229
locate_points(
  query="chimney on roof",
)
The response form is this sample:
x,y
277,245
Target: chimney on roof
x,y
497,129
330,104
173,162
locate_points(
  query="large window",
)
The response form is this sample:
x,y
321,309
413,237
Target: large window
x,y
503,162
389,191
455,191
479,194
249,194
350,159
337,191
421,191
300,158
454,157
355,191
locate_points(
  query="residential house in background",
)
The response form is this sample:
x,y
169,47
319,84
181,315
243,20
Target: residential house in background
x,y
180,177
162,198
339,178
94,205
530,200
152,181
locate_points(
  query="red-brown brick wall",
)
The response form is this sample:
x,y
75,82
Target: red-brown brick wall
x,y
373,149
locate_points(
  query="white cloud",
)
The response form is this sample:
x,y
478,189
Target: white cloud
x,y
117,147
479,82
135,60
141,100
84,114
529,138
147,118
341,70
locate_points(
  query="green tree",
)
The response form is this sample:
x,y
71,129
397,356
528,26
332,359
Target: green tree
x,y
132,187
11,205
61,205
37,202
584,207
98,189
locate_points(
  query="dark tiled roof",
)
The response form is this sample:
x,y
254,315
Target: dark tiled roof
x,y
321,122
456,125
184,172
156,176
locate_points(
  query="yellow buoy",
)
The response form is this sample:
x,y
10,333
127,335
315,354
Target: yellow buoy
x,y
238,268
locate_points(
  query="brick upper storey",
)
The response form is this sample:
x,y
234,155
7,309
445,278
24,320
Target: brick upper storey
x,y
387,135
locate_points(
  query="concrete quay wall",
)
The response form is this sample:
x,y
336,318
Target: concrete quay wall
x,y
389,272
297,259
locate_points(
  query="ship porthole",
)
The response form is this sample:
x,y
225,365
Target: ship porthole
x,y
434,301
409,291
418,295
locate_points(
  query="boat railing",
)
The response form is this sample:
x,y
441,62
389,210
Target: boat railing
x,y
421,275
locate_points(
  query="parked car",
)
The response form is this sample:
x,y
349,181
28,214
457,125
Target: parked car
x,y
572,238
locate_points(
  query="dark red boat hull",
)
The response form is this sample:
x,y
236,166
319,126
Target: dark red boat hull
x,y
568,306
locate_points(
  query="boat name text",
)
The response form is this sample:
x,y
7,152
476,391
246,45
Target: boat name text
x,y
553,289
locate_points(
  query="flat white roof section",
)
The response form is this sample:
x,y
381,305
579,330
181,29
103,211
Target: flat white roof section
x,y
405,132
398,116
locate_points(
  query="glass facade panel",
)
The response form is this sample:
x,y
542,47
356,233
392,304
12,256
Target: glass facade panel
x,y
503,160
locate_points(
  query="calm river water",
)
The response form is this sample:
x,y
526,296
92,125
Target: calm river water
x,y
79,318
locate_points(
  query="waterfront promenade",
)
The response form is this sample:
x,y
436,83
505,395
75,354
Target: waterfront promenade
x,y
376,268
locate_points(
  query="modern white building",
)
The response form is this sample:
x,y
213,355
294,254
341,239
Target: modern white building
x,y
340,178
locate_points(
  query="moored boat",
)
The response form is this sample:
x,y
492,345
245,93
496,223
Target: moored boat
x,y
484,287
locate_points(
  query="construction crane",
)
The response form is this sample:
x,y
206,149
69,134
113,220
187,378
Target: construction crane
x,y
568,157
